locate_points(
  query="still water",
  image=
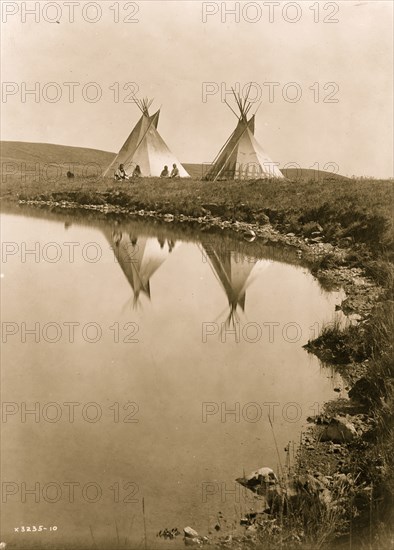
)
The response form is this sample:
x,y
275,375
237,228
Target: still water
x,y
151,361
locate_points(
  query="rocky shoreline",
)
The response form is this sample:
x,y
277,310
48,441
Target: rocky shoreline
x,y
344,422
361,291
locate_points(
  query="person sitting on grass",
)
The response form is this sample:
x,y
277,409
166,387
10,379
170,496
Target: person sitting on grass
x,y
137,172
165,173
174,171
120,173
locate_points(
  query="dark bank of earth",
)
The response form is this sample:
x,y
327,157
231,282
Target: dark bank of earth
x,y
347,454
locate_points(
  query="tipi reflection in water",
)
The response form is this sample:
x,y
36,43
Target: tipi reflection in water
x,y
234,272
139,258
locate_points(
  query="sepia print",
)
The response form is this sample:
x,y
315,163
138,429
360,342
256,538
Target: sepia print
x,y
196,274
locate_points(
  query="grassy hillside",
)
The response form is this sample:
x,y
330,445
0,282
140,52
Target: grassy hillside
x,y
196,171
327,210
21,155
358,209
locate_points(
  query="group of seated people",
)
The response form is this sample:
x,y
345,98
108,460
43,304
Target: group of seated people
x,y
121,174
174,172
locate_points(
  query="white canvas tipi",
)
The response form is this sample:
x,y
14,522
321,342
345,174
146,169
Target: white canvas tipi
x,y
146,148
242,157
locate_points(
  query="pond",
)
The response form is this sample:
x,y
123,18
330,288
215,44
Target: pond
x,y
141,368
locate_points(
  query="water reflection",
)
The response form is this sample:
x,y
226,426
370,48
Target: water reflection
x,y
172,452
139,258
234,273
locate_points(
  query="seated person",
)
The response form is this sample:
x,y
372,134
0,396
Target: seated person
x,y
137,172
174,171
165,173
120,173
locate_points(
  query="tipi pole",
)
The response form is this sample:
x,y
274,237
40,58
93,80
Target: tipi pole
x,y
229,106
143,137
143,105
221,151
232,151
244,119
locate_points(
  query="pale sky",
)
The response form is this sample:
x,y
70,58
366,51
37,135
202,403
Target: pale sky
x,y
170,52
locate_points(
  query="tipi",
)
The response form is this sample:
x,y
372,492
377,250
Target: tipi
x,y
233,271
139,258
145,147
242,157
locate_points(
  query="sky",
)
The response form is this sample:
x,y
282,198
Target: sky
x,y
322,74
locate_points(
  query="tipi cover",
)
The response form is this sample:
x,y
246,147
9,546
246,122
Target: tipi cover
x,y
145,147
139,258
233,271
242,157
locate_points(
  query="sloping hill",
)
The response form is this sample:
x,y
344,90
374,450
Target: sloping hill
x,y
24,156
308,174
197,171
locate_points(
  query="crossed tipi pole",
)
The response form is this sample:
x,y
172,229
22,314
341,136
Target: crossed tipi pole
x,y
242,157
145,147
